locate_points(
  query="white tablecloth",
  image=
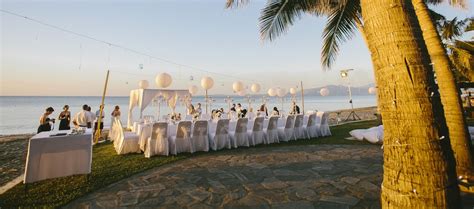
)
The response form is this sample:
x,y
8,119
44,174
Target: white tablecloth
x,y
57,156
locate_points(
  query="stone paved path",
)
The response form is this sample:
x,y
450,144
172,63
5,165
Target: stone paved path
x,y
317,176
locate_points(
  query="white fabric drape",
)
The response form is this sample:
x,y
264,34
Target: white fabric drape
x,y
158,142
124,142
200,140
299,130
287,133
182,141
256,134
323,126
220,138
239,137
272,130
310,128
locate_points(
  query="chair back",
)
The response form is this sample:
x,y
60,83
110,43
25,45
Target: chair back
x,y
299,121
232,115
311,120
250,115
319,117
184,129
258,124
160,130
200,128
273,123
241,125
324,118
222,127
148,118
290,122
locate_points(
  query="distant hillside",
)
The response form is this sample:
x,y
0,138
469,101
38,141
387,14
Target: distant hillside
x,y
339,90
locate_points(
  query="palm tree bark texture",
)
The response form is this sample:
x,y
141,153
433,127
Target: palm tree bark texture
x,y
419,169
450,98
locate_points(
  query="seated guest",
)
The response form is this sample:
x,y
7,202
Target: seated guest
x,y
44,120
232,109
190,109
81,118
275,112
294,109
198,109
243,112
65,118
239,110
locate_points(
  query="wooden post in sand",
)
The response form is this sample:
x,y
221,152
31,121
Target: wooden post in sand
x,y
99,120
302,97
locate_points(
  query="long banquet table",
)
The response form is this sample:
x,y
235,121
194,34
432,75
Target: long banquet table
x,y
57,156
144,130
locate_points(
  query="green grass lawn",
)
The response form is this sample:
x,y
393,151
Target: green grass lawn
x,y
108,168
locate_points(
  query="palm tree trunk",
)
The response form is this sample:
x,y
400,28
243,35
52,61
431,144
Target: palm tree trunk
x,y
419,167
458,132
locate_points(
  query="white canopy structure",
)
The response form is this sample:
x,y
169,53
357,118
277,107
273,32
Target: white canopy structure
x,y
141,98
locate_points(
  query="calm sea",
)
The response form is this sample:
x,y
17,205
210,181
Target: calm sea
x,y
20,115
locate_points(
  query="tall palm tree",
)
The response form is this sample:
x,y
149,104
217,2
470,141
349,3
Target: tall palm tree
x,y
418,161
343,18
450,97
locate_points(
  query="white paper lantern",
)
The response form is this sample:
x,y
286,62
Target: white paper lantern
x,y
272,92
193,89
281,92
292,90
143,84
238,86
324,92
255,88
372,90
163,80
242,93
207,82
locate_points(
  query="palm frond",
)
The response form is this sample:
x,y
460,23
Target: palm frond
x,y
462,57
235,3
340,27
278,15
451,29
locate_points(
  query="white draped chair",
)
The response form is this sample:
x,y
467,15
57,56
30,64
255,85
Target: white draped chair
x,y
200,137
323,125
298,129
220,138
157,143
181,142
310,128
239,137
250,115
286,133
256,134
233,115
124,142
272,130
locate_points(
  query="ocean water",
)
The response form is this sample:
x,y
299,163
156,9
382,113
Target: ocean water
x,y
20,115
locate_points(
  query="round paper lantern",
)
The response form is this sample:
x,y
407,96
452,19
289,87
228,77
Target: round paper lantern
x,y
143,84
238,86
207,82
272,92
193,89
242,93
324,92
163,80
281,92
292,90
255,88
372,90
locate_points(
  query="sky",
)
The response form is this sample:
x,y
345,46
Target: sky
x,y
40,61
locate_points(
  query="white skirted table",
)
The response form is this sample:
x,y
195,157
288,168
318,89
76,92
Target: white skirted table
x,y
52,156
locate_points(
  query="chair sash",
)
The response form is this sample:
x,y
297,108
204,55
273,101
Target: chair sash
x,y
240,137
272,130
200,136
158,142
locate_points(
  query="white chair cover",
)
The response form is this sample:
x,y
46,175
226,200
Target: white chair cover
x,y
124,142
239,137
182,141
272,130
323,126
287,133
250,115
220,138
310,128
233,115
256,135
158,142
200,138
299,130
112,132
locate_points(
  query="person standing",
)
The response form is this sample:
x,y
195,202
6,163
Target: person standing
x,y
80,119
44,120
90,117
275,112
116,112
65,118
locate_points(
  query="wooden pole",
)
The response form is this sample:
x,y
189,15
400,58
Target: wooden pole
x,y
302,97
98,132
